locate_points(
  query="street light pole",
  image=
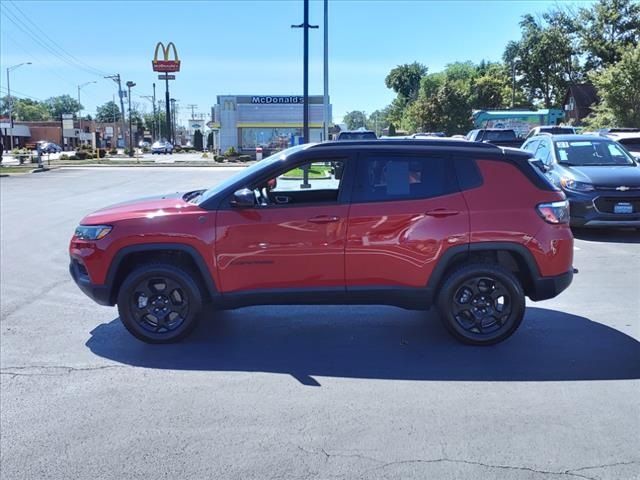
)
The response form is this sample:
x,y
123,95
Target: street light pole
x,y
9,69
305,107
129,85
80,87
325,97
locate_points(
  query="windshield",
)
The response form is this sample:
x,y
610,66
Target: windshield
x,y
592,152
256,167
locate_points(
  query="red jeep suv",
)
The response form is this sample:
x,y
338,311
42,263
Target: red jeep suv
x,y
469,227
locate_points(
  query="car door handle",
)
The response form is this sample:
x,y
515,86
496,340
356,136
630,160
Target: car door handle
x,y
324,219
441,212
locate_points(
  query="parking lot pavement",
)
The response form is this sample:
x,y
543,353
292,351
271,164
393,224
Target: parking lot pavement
x,y
301,392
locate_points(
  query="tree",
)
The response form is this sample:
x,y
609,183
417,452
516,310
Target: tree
x,y
197,140
62,104
355,119
619,90
405,80
607,29
378,120
543,58
24,109
108,112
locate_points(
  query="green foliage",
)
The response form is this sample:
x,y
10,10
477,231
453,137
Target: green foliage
x,y
64,156
25,109
392,130
108,112
405,80
231,152
219,158
197,140
62,104
619,89
355,120
244,158
607,29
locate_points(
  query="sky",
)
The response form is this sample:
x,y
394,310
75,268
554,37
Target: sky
x,y
244,47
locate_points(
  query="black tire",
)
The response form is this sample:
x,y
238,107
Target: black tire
x,y
159,303
481,304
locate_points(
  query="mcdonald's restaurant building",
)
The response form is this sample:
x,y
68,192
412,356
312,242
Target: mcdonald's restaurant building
x,y
272,122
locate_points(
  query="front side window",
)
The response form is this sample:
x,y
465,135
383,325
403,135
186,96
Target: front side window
x,y
320,184
544,153
388,177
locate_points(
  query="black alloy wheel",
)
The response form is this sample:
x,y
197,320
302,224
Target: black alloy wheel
x,y
481,304
159,303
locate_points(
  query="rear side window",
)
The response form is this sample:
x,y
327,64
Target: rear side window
x,y
399,177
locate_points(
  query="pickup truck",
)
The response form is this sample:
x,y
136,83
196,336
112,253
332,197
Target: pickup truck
x,y
495,136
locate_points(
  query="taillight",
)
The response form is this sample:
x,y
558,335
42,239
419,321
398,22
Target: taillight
x,y
555,212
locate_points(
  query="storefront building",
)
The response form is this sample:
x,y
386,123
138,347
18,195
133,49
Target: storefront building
x,y
268,121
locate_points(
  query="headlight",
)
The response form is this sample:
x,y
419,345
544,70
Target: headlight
x,y
92,232
571,184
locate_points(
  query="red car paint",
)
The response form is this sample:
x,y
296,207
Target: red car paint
x,y
342,245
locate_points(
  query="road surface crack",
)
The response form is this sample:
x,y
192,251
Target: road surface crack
x,y
50,370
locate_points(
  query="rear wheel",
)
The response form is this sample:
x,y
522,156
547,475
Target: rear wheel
x,y
481,304
159,303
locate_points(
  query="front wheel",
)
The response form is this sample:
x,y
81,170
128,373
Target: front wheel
x,y
481,304
159,303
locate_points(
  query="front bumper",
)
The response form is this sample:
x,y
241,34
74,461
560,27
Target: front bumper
x,y
100,294
544,288
593,209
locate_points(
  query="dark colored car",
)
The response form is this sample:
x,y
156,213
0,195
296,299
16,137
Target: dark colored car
x,y
598,175
468,227
356,135
503,137
49,147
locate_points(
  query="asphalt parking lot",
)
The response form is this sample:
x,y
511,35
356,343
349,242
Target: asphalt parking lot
x,y
302,392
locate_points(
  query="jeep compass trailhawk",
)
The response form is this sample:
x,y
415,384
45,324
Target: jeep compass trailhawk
x,y
469,227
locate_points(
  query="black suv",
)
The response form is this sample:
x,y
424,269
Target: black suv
x,y
599,176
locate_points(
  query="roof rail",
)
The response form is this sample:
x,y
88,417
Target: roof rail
x,y
431,142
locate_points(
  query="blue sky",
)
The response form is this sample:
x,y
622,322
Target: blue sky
x,y
244,47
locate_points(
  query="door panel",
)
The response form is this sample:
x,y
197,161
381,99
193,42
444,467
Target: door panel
x,y
402,247
406,211
281,247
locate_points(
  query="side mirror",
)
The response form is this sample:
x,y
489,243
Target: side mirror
x,y
539,164
243,198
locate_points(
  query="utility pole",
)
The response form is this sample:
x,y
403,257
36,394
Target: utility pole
x,y
325,97
152,99
80,87
156,124
129,85
116,78
193,109
305,107
170,139
172,127
9,69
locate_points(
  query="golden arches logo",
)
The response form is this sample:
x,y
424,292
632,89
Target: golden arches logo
x,y
166,65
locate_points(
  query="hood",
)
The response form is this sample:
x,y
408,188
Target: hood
x,y
149,207
609,176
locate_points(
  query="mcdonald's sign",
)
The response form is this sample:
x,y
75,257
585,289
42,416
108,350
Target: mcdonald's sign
x,y
164,64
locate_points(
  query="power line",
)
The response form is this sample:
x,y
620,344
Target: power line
x,y
14,18
54,43
20,94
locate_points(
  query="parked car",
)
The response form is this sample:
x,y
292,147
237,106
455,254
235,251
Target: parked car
x,y
468,227
144,144
598,175
49,147
629,137
503,137
161,147
357,135
551,130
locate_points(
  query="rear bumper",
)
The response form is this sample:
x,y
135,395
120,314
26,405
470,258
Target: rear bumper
x,y
544,288
101,294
